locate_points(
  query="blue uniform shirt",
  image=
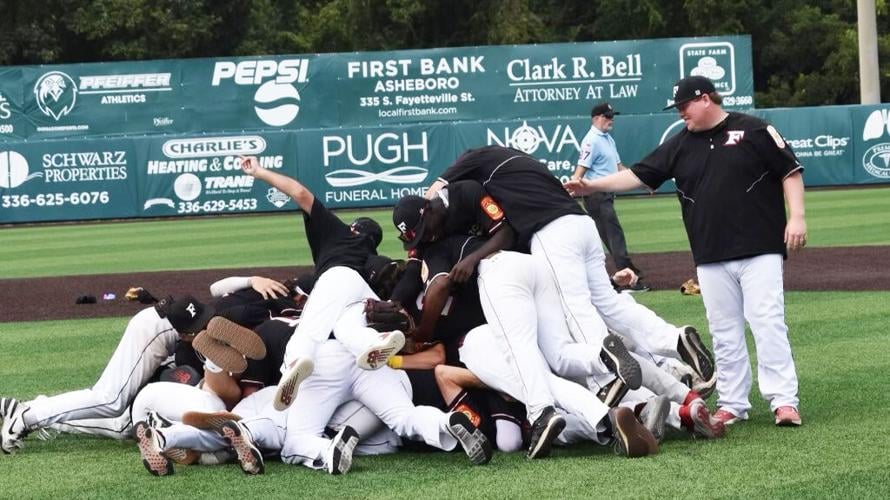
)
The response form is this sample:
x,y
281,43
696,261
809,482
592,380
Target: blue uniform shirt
x,y
598,154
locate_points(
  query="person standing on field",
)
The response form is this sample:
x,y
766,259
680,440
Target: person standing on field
x,y
599,158
733,171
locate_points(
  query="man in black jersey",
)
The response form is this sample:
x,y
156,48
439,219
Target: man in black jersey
x,y
340,252
550,224
733,172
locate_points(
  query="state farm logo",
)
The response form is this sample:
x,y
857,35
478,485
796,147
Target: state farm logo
x,y
528,139
14,170
277,99
56,94
876,160
214,146
387,149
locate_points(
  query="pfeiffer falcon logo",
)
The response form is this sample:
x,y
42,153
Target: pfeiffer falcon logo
x,y
56,94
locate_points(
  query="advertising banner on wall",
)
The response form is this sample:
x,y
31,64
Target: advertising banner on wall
x,y
368,167
68,180
871,139
300,92
202,175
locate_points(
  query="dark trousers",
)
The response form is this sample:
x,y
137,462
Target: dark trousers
x,y
601,208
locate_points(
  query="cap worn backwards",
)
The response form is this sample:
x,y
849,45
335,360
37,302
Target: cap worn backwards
x,y
407,216
689,88
186,314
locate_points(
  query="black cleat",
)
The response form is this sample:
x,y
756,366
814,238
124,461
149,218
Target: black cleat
x,y
620,362
612,393
545,430
339,455
470,437
694,353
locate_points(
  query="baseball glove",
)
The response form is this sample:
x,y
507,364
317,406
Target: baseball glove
x,y
386,316
690,287
141,295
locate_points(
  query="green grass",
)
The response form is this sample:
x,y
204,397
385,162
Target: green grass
x,y
652,224
840,346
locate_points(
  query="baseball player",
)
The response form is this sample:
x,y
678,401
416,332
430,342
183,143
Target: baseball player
x,y
340,252
551,224
149,339
733,172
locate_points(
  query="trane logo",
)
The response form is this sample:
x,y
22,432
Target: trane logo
x,y
117,82
256,72
214,146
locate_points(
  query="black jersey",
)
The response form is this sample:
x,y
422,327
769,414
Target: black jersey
x,y
471,210
248,308
463,311
729,183
275,332
529,194
333,243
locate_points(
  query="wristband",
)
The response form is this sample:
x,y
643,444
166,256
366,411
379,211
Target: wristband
x,y
395,362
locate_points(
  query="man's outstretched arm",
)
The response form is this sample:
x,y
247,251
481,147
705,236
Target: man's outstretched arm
x,y
624,180
291,187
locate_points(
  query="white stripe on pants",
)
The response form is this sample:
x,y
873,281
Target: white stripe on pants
x,y
749,289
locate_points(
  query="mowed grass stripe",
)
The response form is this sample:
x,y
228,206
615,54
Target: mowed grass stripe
x,y
652,224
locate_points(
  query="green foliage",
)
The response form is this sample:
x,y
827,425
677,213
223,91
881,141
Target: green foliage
x,y
805,52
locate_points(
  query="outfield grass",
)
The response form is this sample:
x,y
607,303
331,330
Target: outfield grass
x,y
840,345
652,224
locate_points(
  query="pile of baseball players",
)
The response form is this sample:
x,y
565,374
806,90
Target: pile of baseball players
x,y
502,329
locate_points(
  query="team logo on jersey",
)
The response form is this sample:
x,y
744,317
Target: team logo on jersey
x,y
733,137
491,208
56,94
472,415
780,142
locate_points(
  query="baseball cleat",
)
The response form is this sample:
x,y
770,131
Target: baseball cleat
x,y
241,339
249,457
13,431
612,393
156,421
632,438
149,443
290,382
694,353
544,431
472,440
208,420
338,457
697,420
617,359
654,416
220,353
387,345
728,417
787,416
182,456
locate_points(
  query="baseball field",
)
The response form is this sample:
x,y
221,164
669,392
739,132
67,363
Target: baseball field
x,y
837,305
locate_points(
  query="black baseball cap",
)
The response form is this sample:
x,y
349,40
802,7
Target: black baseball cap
x,y
302,284
689,88
369,227
604,109
407,216
187,314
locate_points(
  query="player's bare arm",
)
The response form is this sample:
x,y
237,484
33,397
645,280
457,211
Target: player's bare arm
x,y
291,187
500,240
796,227
426,359
624,180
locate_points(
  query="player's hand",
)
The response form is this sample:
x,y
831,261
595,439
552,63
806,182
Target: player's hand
x,y
250,165
463,270
796,233
625,277
577,187
268,288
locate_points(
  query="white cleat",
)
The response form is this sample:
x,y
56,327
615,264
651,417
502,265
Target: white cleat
x,y
290,382
387,345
